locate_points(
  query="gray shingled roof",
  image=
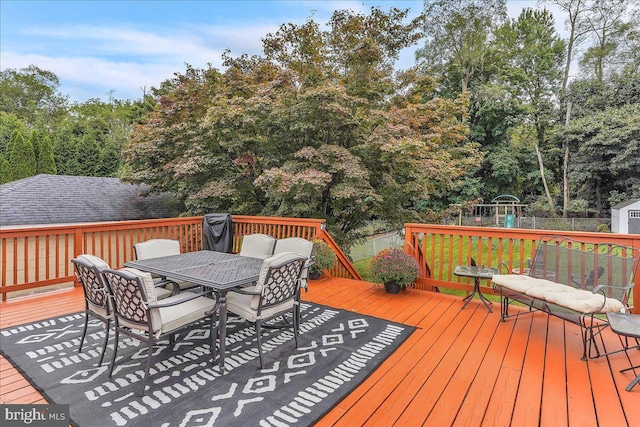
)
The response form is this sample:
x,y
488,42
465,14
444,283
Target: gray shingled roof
x,y
63,199
625,204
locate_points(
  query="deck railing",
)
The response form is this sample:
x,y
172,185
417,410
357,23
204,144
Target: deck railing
x,y
439,248
37,257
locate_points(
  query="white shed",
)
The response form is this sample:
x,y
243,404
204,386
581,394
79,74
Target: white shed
x,y
625,217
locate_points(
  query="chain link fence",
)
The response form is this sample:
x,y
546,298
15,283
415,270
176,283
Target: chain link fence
x,y
395,239
538,223
375,244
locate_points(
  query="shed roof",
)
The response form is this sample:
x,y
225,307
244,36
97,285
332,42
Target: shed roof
x,y
64,199
625,204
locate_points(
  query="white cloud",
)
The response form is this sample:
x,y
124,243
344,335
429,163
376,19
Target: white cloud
x,y
84,75
95,59
128,41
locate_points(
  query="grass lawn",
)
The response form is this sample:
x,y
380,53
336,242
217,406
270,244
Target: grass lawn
x,y
442,254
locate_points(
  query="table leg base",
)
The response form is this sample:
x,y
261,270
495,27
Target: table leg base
x,y
484,300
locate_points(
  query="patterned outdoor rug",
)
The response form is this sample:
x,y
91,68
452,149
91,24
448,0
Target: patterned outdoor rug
x,y
338,350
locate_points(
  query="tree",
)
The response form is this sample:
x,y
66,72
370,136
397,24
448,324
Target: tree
x,y
530,56
46,163
607,155
458,33
274,136
606,27
578,12
364,47
5,171
22,159
9,123
32,95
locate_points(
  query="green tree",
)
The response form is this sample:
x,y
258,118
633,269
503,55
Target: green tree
x,y
9,123
607,155
530,56
607,28
22,158
5,170
275,136
32,95
34,139
65,154
578,14
458,33
46,163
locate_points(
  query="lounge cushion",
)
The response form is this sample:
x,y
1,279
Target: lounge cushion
x,y
580,300
515,282
585,302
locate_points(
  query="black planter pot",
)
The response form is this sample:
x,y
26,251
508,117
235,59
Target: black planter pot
x,y
392,288
314,275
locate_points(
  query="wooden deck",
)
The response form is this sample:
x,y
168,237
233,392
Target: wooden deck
x,y
459,368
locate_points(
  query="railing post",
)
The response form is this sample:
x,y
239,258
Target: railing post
x,y
78,249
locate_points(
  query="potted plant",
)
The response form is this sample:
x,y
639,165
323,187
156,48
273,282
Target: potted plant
x,y
323,258
395,269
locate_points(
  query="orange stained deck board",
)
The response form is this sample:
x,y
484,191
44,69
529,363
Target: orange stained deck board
x,y
460,367
554,391
527,408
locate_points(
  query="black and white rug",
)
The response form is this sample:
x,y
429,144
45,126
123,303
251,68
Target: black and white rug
x,y
337,351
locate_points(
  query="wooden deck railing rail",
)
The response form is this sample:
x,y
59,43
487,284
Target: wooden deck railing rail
x,y
36,257
439,248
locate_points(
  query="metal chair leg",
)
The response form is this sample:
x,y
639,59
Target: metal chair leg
x,y
259,333
104,344
115,351
296,326
84,330
148,367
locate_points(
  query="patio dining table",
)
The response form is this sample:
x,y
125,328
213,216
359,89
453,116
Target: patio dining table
x,y
216,270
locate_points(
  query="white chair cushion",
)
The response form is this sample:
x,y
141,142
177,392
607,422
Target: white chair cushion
x,y
147,282
579,300
99,310
584,301
544,288
242,305
156,248
297,245
177,316
515,282
97,262
257,246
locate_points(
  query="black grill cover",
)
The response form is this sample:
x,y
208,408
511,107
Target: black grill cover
x,y
217,232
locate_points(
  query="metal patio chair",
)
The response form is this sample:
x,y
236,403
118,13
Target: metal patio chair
x,y
139,315
96,295
273,296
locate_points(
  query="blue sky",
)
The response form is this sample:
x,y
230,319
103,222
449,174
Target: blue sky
x,y
123,46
